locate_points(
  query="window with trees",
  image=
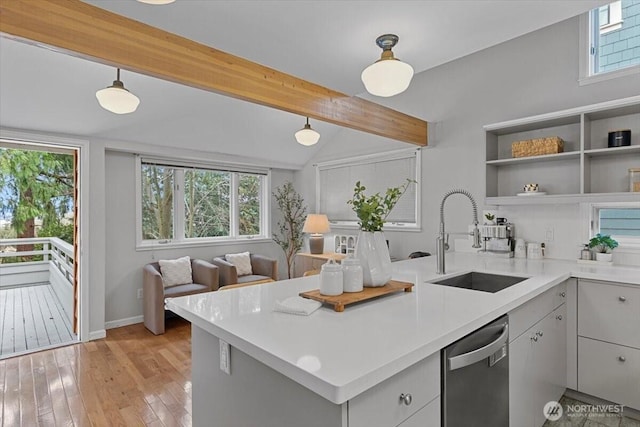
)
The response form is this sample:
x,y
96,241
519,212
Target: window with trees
x,y
185,203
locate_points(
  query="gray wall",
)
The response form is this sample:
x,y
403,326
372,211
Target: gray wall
x,y
123,263
534,74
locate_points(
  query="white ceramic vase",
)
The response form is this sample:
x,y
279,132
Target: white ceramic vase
x,y
373,253
604,257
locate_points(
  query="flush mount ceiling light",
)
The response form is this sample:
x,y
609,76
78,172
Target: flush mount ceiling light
x,y
306,135
156,1
117,99
387,76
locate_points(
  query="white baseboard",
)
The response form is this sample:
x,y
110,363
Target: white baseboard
x,y
97,335
124,322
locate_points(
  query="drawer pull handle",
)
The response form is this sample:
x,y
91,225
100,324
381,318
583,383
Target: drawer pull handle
x,y
406,399
559,317
622,359
563,294
622,299
539,333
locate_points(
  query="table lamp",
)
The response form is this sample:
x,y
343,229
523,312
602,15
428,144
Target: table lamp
x,y
316,225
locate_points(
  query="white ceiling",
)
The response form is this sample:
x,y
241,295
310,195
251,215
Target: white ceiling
x,y
326,42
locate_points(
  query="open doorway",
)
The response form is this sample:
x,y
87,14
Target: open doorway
x,y
39,240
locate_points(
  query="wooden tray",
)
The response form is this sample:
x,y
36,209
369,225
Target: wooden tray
x,y
340,301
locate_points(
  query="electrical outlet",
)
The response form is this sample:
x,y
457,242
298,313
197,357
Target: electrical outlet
x,y
140,293
548,233
225,357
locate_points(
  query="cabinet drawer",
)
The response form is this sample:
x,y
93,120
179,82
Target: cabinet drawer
x,y
381,405
609,371
531,312
429,416
609,312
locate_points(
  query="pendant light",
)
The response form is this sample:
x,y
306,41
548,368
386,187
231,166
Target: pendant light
x,y
306,135
117,99
387,76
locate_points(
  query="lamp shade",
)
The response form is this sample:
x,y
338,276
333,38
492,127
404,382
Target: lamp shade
x,y
306,135
316,224
387,77
117,99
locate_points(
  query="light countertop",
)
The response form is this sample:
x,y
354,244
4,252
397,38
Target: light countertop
x,y
340,355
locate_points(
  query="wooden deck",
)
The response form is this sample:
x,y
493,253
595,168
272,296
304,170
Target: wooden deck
x,y
32,319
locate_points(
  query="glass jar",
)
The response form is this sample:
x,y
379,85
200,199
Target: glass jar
x,y
634,180
331,278
352,274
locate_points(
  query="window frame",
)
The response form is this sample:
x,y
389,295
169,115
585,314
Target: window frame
x,y
373,158
586,74
178,239
592,226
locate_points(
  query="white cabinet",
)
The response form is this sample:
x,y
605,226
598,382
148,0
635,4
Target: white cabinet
x,y
396,399
537,356
609,371
609,341
586,170
609,312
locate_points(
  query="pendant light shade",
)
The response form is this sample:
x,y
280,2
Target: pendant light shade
x,y
306,135
117,99
387,76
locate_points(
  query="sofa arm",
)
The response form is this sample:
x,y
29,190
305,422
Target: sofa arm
x,y
205,273
153,291
264,266
228,275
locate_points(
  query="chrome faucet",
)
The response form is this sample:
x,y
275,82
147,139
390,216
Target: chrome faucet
x,y
442,241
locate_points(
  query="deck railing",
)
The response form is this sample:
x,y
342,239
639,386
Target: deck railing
x,y
54,264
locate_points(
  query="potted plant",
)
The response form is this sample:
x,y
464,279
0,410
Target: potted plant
x,y
490,218
603,244
371,247
294,212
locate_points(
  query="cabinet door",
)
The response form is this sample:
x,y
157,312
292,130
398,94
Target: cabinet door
x,y
521,379
549,362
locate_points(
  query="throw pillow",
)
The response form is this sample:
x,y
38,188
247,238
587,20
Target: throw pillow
x,y
242,261
176,271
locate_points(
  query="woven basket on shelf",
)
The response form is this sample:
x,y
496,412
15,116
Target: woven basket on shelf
x,y
537,147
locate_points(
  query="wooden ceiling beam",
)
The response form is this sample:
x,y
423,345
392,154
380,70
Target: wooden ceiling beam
x,y
89,32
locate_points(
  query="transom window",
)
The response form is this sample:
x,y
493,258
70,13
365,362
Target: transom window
x,y
614,38
180,203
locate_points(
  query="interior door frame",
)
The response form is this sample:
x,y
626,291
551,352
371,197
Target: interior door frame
x,y
82,264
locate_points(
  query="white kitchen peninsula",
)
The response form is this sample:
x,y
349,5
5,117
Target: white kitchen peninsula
x,y
340,368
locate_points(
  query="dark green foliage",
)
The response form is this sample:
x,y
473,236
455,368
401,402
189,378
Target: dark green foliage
x,y
603,243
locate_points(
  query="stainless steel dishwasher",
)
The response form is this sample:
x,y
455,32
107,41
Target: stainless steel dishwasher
x,y
475,378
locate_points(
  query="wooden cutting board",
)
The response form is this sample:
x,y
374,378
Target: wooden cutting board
x,y
339,302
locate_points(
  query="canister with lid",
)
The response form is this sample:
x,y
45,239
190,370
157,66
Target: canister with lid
x,y
352,274
331,278
634,180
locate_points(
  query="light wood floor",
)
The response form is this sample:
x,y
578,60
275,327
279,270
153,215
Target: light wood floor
x,y
31,317
131,378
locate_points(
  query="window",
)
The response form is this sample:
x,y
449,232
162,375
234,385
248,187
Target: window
x,y
613,39
181,203
620,221
335,182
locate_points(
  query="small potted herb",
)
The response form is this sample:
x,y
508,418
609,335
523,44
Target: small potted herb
x,y
603,244
490,218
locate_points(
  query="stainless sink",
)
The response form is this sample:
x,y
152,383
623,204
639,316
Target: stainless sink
x,y
481,281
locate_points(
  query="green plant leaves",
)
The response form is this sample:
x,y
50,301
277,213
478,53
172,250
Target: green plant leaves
x,y
372,211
